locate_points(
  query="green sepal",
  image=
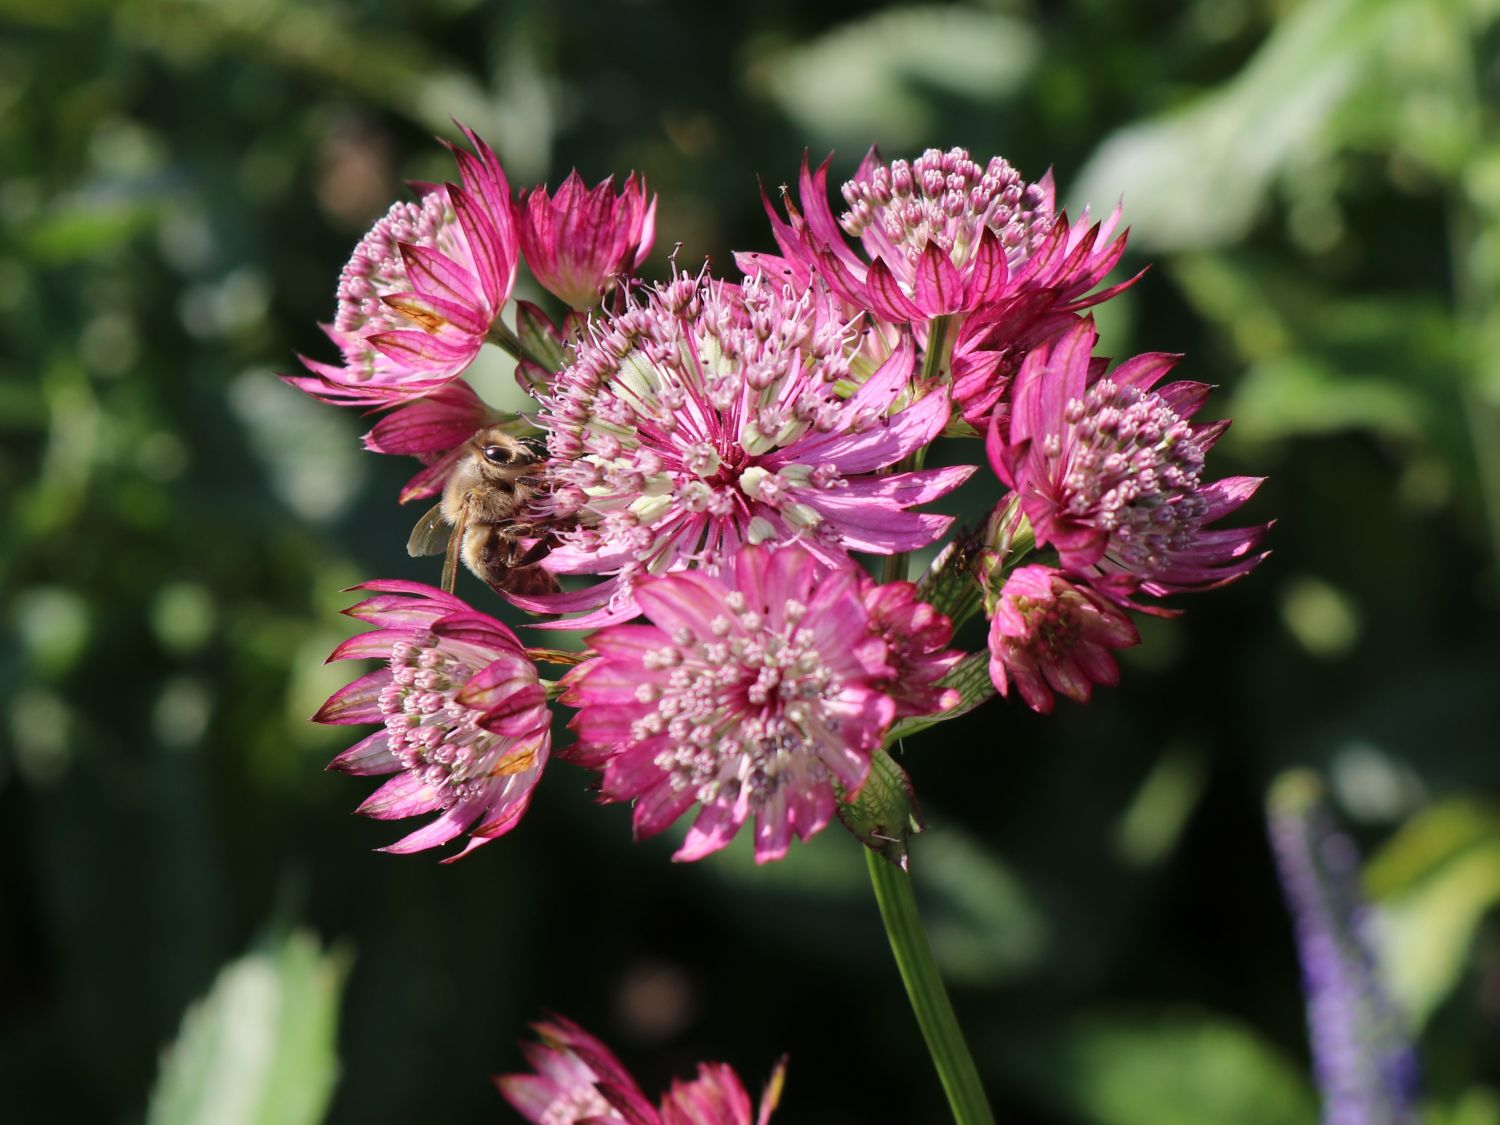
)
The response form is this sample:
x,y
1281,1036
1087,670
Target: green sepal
x,y
971,678
884,816
541,342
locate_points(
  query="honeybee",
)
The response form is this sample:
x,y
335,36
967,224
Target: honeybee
x,y
485,516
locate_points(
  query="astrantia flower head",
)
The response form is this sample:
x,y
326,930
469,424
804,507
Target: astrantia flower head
x,y
578,1081
712,415
466,729
752,693
1109,472
579,242
422,290
1049,635
942,235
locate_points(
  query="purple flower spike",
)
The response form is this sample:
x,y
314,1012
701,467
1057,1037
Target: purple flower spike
x,y
418,297
753,694
1365,1064
465,724
1049,635
579,242
943,235
1109,472
578,1081
710,416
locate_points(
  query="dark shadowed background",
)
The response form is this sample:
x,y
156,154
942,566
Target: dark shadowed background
x,y
1318,187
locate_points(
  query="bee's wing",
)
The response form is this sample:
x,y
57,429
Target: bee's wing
x,y
455,548
431,535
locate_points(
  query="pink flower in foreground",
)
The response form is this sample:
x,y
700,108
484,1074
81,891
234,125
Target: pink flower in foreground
x,y
466,729
578,1081
943,235
710,416
753,694
434,430
916,637
1109,472
580,241
422,290
1051,635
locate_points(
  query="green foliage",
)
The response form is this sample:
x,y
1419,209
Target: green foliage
x,y
258,1049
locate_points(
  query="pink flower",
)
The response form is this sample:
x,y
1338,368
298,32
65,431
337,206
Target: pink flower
x,y
990,346
434,430
418,297
712,416
580,241
578,1081
1109,472
466,729
1049,634
942,235
753,694
916,637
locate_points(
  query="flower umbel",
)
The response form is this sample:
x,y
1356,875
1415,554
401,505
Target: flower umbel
x,y
1052,635
466,729
753,694
1109,472
579,242
709,416
942,235
578,1081
422,289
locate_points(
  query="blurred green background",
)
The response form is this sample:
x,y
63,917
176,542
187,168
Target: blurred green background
x,y
1318,186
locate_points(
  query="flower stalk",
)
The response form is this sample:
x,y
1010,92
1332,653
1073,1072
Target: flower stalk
x,y
924,987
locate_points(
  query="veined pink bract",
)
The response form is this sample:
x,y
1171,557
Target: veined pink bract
x,y
579,242
465,724
711,416
752,693
422,289
433,430
577,1080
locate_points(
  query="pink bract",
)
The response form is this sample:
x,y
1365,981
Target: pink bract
x,y
1052,635
422,289
710,416
916,637
1109,472
579,242
756,694
942,235
434,430
578,1081
465,724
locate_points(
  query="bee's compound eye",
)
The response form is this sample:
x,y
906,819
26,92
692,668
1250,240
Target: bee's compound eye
x,y
499,454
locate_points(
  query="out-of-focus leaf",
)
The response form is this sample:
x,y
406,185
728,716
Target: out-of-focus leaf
x,y
1198,176
1121,1070
259,1049
872,78
1434,883
984,926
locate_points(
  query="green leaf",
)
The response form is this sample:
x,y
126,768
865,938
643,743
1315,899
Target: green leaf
x,y
1199,176
1434,882
1179,1070
872,78
259,1049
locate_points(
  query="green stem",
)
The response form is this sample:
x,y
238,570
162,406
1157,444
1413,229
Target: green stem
x,y
507,341
924,987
